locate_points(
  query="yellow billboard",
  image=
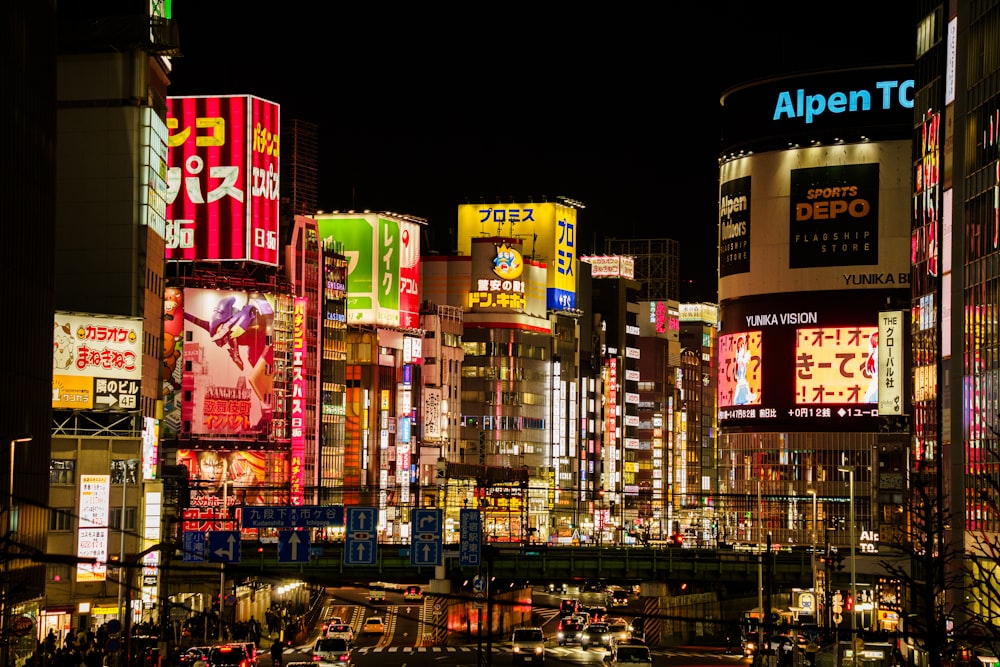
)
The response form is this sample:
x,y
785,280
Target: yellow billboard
x,y
548,231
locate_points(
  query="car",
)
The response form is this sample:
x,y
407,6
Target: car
x,y
414,593
595,634
374,625
342,631
194,654
620,629
528,645
332,650
569,607
630,652
598,614
229,655
568,629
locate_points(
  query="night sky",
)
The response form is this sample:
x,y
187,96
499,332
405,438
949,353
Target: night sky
x,y
423,109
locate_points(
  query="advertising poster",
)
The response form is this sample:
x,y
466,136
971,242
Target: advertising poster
x,y
387,272
740,376
409,275
222,181
173,353
834,216
734,227
298,407
551,230
230,362
96,362
811,361
92,535
498,283
238,477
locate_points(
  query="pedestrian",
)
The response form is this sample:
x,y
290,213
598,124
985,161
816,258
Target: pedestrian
x,y
277,649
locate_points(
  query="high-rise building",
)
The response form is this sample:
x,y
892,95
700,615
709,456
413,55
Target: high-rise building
x,y
28,69
814,247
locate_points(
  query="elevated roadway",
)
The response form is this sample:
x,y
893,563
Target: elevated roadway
x,y
535,564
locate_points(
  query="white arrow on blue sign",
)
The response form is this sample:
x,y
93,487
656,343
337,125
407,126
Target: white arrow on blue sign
x,y
360,536
293,546
425,539
224,546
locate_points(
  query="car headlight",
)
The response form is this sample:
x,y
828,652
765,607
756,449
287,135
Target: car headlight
x,y
539,649
517,649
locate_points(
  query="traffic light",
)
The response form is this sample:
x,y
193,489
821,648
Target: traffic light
x,y
849,603
838,561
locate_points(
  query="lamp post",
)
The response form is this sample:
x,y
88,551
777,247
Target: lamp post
x,y
812,492
6,607
854,580
129,464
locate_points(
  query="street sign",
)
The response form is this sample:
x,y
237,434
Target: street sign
x,y
426,531
479,584
305,516
224,546
293,546
194,546
23,625
360,535
470,524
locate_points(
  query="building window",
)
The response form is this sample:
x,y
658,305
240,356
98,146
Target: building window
x,y
62,471
61,520
57,572
115,518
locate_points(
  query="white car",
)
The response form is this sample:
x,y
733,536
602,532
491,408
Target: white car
x,y
342,631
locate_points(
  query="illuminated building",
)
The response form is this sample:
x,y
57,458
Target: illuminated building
x,y
382,380
814,212
110,199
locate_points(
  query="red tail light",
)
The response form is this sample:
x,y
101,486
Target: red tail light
x,y
344,658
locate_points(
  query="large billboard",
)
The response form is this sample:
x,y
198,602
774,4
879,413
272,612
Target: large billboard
x,y
549,231
800,362
818,220
227,383
236,477
96,362
222,184
383,267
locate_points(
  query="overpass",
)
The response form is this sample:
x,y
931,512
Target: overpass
x,y
536,564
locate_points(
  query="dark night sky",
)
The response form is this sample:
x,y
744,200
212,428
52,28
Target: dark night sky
x,y
420,110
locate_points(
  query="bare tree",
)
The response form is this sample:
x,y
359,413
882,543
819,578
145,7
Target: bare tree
x,y
926,568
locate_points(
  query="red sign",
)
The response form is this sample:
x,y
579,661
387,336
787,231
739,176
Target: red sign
x,y
222,183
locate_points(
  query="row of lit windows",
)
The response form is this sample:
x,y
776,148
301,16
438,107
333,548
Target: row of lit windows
x,y
63,519
504,349
512,398
505,373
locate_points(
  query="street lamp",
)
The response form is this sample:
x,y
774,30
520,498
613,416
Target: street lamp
x,y
854,579
812,492
5,604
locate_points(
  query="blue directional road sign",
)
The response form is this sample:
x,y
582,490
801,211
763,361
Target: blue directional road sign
x,y
470,537
360,536
426,529
194,546
293,546
224,546
304,516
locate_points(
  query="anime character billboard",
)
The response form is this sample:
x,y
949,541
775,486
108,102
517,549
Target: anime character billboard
x,y
740,369
229,362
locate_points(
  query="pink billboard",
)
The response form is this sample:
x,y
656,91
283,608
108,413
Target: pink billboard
x,y
222,182
298,409
228,380
409,275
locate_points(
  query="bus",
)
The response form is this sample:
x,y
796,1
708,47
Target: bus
x,y
376,592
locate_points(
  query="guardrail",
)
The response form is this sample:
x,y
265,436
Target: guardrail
x,y
539,564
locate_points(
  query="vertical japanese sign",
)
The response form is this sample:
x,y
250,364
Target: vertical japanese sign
x,y
890,362
92,536
228,353
387,270
298,407
409,275
222,183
